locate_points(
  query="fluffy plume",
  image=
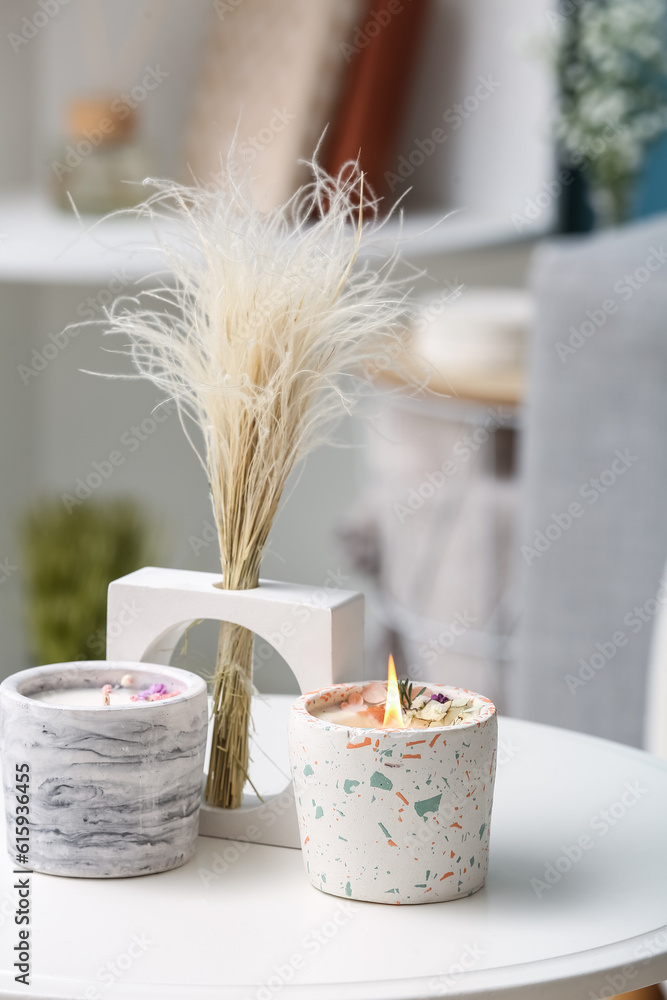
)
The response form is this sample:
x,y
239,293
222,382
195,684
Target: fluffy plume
x,y
270,328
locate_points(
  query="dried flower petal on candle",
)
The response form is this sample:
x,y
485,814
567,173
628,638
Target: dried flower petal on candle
x,y
156,692
374,693
127,681
442,698
432,711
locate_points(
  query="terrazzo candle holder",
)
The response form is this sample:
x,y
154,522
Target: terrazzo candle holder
x,y
396,815
113,791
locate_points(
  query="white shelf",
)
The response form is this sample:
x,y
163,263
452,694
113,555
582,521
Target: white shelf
x,y
426,234
40,244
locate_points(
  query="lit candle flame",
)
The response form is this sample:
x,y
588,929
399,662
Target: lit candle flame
x,y
393,716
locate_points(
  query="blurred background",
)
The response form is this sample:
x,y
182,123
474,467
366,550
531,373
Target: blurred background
x,y
508,524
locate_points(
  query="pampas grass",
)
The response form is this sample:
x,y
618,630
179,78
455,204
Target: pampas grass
x,y
262,340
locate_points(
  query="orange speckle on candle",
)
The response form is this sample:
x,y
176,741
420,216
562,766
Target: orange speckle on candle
x,y
446,875
357,746
414,743
411,756
457,825
403,799
432,743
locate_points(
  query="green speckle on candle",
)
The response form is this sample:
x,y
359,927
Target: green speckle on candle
x,y
308,770
319,812
381,781
481,830
385,831
342,838
349,785
428,873
420,885
428,805
472,862
387,753
348,889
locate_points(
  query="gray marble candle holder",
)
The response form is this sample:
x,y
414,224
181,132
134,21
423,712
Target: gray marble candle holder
x,y
113,791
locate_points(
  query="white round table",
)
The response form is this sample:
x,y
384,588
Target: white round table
x,y
575,904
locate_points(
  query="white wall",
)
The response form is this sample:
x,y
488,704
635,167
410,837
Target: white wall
x,y
501,153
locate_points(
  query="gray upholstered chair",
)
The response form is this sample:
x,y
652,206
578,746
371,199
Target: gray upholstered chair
x,y
593,538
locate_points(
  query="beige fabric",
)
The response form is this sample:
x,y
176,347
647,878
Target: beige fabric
x,y
273,70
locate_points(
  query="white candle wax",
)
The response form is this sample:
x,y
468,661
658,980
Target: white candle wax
x,y
91,697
